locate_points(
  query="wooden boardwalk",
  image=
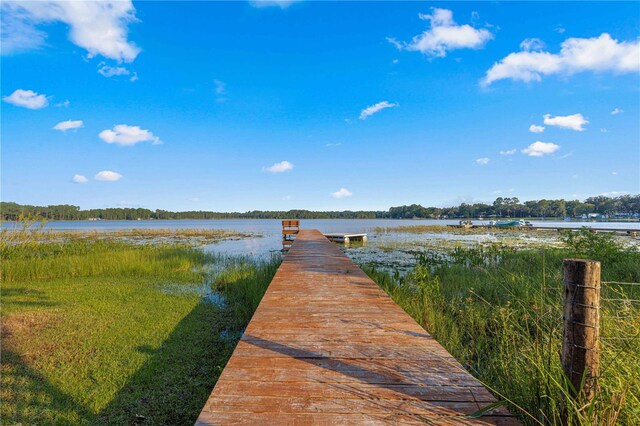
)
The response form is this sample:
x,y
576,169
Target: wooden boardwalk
x,y
328,346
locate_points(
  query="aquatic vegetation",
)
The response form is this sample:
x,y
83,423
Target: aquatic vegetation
x,y
193,237
499,312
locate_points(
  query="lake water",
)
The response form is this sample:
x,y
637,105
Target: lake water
x,y
268,232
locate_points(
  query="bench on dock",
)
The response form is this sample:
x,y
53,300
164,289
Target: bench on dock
x,y
290,229
328,346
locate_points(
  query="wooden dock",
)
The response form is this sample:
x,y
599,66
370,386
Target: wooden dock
x,y
328,346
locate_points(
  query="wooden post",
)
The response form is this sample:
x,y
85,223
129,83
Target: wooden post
x,y
581,333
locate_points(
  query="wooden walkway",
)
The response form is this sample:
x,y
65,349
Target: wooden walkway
x,y
328,346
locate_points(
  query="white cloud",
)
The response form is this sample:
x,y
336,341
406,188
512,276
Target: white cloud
x,y
508,152
331,145
108,176
126,135
559,29
614,173
220,87
597,54
65,104
482,161
604,130
617,111
341,193
573,122
286,198
536,129
100,27
538,149
63,126
444,35
396,43
282,4
562,157
370,110
27,99
280,167
134,77
532,44
18,33
79,179
109,71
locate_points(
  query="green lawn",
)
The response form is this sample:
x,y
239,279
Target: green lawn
x,y
98,332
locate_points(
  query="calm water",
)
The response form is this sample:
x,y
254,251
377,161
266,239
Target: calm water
x,y
268,231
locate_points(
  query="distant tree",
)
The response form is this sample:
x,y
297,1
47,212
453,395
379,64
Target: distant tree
x,y
498,204
629,204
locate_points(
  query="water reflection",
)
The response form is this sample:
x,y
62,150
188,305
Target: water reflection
x,y
205,291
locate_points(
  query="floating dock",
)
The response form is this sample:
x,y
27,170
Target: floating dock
x,y
345,238
328,346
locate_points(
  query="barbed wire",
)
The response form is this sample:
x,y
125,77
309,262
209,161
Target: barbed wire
x,y
592,287
619,338
620,283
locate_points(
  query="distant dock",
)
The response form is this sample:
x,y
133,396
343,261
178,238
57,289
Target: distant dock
x,y
338,237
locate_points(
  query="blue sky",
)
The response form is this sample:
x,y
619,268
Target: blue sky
x,y
235,106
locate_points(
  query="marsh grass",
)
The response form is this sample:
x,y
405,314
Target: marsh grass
x,y
90,334
192,236
499,312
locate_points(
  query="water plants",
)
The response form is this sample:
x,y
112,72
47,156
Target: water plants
x,y
499,312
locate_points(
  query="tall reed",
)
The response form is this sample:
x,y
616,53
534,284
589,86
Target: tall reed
x,y
499,312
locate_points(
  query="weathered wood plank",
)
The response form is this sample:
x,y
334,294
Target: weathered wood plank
x,y
357,390
328,346
330,419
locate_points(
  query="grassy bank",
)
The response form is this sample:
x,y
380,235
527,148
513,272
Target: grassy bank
x,y
101,331
499,312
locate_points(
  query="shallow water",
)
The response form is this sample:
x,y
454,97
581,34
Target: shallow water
x,y
393,248
273,226
205,291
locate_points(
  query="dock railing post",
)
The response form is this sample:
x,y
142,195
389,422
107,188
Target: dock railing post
x,y
581,331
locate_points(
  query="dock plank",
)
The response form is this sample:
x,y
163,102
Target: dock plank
x,y
328,346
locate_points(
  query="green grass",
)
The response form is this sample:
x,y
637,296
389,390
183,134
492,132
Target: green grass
x,y
104,331
499,312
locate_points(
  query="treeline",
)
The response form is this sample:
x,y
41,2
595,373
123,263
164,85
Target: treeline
x,y
512,207
12,211
625,205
